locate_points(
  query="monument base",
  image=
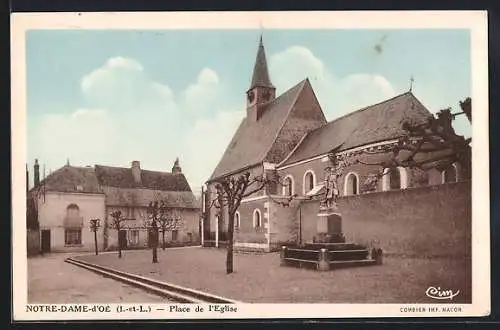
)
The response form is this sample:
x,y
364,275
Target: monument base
x,y
329,227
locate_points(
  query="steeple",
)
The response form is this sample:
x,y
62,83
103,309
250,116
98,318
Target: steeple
x,y
177,168
260,76
261,89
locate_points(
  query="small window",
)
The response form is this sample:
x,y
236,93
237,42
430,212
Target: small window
x,y
450,174
72,236
351,185
394,179
257,219
174,235
288,186
134,237
309,181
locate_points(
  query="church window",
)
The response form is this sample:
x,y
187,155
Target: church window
x,y
309,181
288,188
351,184
395,178
257,218
450,174
237,220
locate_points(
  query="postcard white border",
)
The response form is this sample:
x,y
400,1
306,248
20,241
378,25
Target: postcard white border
x,y
476,21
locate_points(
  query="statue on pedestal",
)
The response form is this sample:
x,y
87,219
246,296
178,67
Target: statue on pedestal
x,y
331,189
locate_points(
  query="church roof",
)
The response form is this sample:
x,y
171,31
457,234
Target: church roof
x,y
379,122
253,139
260,76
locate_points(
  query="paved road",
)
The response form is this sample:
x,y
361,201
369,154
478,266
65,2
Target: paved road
x,y
51,280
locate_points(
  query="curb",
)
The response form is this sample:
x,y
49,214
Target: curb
x,y
165,289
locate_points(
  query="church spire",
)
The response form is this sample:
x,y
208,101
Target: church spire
x,y
176,169
260,76
261,89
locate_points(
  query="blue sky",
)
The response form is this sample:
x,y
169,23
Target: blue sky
x,y
110,97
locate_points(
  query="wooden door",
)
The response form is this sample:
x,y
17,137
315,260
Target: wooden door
x,y
45,241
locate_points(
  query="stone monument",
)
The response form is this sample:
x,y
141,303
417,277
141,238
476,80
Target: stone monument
x,y
329,223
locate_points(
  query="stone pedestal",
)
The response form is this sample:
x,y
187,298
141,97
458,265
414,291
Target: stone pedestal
x,y
329,222
323,262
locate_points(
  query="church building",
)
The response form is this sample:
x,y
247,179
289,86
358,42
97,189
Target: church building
x,y
287,136
63,203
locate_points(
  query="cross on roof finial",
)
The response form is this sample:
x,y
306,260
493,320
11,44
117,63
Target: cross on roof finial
x,y
411,83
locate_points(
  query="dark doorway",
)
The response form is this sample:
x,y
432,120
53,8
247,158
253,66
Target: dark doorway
x,y
122,239
45,241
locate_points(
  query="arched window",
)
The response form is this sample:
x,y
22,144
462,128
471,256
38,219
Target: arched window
x,y
450,174
237,220
351,184
288,188
395,178
72,211
257,218
73,226
309,181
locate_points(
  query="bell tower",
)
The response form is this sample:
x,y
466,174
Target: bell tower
x,y
261,89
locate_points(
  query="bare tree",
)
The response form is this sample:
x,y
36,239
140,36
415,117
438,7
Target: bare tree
x,y
152,221
117,223
431,144
168,219
230,191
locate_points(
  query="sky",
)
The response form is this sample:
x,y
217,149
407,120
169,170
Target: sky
x,y
109,97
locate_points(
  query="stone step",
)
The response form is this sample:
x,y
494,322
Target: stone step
x,y
351,263
333,246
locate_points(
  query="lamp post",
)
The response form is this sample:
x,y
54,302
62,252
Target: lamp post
x,y
94,226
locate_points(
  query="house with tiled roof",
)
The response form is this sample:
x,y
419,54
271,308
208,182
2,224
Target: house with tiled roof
x,y
288,137
67,199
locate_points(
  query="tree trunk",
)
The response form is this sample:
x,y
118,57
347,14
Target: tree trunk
x,y
230,231
163,234
155,255
155,246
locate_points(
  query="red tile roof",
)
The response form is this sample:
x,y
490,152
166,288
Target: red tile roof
x,y
253,139
379,122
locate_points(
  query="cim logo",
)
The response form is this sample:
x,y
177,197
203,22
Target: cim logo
x,y
437,293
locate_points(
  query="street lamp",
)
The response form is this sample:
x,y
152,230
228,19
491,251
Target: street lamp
x,y
94,226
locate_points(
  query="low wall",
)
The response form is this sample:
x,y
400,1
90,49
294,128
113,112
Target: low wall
x,y
430,221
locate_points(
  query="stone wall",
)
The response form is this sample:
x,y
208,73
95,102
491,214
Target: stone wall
x,y
428,221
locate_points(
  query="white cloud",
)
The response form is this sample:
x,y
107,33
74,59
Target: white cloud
x,y
337,95
137,118
200,98
83,136
206,142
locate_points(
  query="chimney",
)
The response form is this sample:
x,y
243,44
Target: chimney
x,y
36,175
136,171
177,168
